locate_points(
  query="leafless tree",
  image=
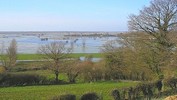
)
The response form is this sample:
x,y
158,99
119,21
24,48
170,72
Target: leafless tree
x,y
54,53
135,56
9,56
158,20
3,57
12,53
72,68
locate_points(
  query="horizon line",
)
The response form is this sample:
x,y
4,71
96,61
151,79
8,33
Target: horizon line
x,y
63,31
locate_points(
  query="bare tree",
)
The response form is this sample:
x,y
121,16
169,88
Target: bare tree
x,y
3,57
140,44
72,69
12,53
135,56
54,53
158,20
9,56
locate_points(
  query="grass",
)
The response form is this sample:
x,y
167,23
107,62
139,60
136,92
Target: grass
x,y
28,57
73,55
47,92
77,55
47,73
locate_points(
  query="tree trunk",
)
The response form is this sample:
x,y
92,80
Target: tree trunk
x,y
56,76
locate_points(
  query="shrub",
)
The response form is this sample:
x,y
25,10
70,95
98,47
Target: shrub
x,y
2,70
21,79
64,97
159,85
116,94
172,82
131,93
148,89
90,96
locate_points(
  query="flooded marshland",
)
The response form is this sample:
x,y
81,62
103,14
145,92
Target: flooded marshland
x,y
80,42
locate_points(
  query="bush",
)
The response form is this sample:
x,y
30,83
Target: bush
x,y
90,96
65,97
159,85
21,79
172,82
2,70
32,65
143,90
147,89
116,94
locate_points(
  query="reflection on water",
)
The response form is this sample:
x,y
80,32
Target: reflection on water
x,y
28,42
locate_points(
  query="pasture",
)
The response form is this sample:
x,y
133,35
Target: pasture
x,y
72,55
46,92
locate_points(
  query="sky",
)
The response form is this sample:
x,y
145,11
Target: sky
x,y
67,15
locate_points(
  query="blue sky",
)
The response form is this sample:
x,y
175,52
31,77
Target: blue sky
x,y
67,15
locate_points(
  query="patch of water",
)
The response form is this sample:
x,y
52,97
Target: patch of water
x,y
30,42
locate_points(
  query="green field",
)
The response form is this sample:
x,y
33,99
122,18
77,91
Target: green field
x,y
73,55
47,92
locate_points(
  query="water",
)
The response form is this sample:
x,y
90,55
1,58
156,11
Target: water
x,y
29,42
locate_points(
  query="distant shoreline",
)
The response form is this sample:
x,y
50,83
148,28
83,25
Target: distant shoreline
x,y
63,32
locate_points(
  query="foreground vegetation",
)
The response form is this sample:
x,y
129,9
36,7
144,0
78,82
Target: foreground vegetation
x,y
148,56
47,92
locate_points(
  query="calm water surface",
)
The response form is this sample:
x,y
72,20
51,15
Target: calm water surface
x,y
29,42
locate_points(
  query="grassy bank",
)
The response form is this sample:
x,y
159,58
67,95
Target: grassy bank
x,y
47,92
73,55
